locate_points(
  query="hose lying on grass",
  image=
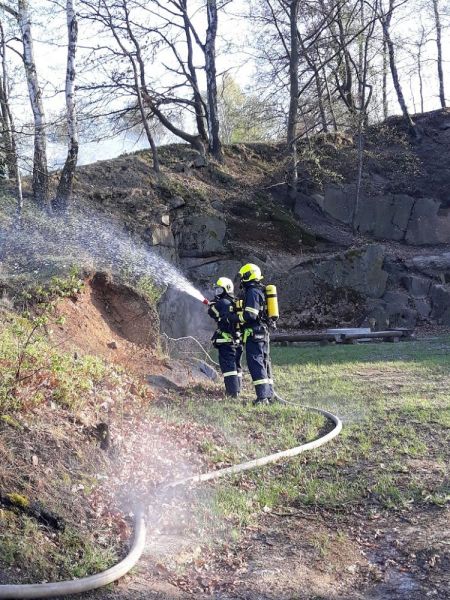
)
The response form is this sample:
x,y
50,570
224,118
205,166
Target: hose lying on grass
x,y
77,586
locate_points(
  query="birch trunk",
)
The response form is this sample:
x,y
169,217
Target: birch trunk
x,y
12,160
40,169
439,52
215,146
65,186
293,99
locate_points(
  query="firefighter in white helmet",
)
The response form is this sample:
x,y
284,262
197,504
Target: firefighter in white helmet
x,y
227,338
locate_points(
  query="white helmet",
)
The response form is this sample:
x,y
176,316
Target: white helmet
x,y
226,284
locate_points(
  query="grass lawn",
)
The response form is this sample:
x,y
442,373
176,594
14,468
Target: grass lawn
x,y
393,452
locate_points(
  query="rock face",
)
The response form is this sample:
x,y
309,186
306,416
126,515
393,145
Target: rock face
x,y
181,315
385,217
427,225
440,298
201,236
339,202
435,265
399,217
358,270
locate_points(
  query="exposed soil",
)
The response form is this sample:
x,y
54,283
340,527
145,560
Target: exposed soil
x,y
304,555
112,321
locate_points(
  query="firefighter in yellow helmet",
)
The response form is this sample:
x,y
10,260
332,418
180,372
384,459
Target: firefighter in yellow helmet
x,y
227,337
253,318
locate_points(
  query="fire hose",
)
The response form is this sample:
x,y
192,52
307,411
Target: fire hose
x,y
85,584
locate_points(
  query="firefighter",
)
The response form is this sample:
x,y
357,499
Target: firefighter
x,y
252,314
227,337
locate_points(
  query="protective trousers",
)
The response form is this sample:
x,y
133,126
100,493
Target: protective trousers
x,y
230,364
258,362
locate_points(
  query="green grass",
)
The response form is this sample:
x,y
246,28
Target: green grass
x,y
393,452
34,371
58,555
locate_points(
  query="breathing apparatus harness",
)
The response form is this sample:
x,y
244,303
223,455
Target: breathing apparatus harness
x,y
269,312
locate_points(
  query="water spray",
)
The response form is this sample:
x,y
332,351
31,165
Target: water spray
x,y
87,238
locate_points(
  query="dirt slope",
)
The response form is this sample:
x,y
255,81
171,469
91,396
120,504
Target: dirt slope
x,y
112,321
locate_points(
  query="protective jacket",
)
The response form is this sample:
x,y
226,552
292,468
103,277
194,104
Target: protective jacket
x,y
227,340
252,315
220,309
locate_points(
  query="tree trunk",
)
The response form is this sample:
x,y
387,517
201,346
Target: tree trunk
x,y
293,99
439,52
139,82
419,73
330,100
385,70
385,21
12,158
5,129
194,140
323,116
65,186
199,104
40,169
346,88
215,146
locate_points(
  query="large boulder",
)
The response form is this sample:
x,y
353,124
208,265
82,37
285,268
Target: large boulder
x,y
160,235
396,217
360,270
382,314
201,235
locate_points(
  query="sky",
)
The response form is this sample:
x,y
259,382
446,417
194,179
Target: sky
x,y
51,57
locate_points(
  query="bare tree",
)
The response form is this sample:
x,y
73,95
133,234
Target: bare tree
x,y
215,146
365,90
115,17
293,8
64,191
384,80
8,128
417,52
185,61
438,26
385,16
40,168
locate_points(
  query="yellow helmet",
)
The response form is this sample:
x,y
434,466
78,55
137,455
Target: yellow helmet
x,y
226,284
250,272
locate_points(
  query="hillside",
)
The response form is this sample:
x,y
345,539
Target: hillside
x,y
334,264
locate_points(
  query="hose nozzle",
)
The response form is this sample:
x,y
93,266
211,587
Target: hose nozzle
x,y
206,301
